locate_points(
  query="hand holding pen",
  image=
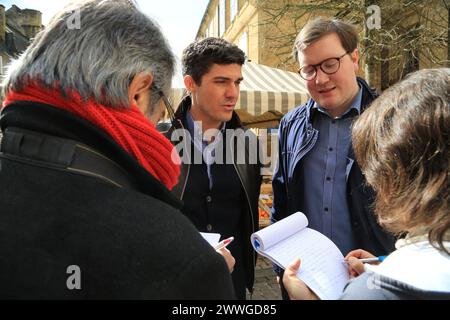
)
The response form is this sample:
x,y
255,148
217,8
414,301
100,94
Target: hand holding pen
x,y
222,250
356,259
223,243
373,260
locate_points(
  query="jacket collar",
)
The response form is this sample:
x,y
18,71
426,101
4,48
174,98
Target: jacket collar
x,y
53,121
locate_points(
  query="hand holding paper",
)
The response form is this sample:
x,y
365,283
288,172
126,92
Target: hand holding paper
x,y
212,238
322,270
226,254
220,247
295,287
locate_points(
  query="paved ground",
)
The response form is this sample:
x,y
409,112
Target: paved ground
x,y
266,286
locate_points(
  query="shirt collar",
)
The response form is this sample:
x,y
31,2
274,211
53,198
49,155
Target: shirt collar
x,y
195,129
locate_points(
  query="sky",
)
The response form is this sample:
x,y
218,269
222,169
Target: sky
x,y
179,19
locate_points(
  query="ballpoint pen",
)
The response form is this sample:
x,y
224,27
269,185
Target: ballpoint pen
x,y
371,260
222,244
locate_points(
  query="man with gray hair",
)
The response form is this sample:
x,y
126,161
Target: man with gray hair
x,y
85,177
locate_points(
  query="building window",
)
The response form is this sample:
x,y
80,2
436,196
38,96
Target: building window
x,y
221,15
243,43
233,9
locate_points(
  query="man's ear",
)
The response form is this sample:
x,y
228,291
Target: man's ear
x,y
189,83
139,87
355,59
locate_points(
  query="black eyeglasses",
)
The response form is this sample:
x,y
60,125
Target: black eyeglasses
x,y
328,66
167,104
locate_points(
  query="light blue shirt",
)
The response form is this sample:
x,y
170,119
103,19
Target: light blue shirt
x,y
194,128
325,171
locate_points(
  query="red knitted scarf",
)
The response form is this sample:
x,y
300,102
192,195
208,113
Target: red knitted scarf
x,y
127,126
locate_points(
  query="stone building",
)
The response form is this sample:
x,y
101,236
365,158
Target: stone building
x,y
17,27
412,35
241,22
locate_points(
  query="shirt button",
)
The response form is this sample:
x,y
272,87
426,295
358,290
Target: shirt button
x,y
330,149
326,209
208,227
208,199
328,179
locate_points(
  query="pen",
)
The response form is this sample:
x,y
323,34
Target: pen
x,y
371,260
222,244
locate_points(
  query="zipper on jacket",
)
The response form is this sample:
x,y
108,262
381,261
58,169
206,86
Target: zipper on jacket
x,y
180,124
309,144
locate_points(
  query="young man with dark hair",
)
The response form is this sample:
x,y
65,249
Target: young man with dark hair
x,y
220,194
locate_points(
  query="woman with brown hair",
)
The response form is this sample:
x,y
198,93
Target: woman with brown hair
x,y
402,144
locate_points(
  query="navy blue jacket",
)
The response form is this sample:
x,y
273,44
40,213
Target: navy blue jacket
x,y
296,138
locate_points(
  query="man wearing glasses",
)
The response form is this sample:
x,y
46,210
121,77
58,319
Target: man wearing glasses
x,y
316,172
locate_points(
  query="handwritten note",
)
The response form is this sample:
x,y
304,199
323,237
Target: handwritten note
x,y
322,268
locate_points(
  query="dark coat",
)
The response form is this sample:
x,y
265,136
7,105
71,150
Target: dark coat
x,y
296,138
250,177
130,242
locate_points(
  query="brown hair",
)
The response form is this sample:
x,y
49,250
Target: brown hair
x,y
319,27
402,144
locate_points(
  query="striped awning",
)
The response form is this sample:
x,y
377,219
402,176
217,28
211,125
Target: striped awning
x,y
264,89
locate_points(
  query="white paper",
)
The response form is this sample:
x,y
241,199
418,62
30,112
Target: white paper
x,y
279,231
322,267
212,238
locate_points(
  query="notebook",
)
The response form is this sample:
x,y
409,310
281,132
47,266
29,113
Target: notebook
x,y
323,268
